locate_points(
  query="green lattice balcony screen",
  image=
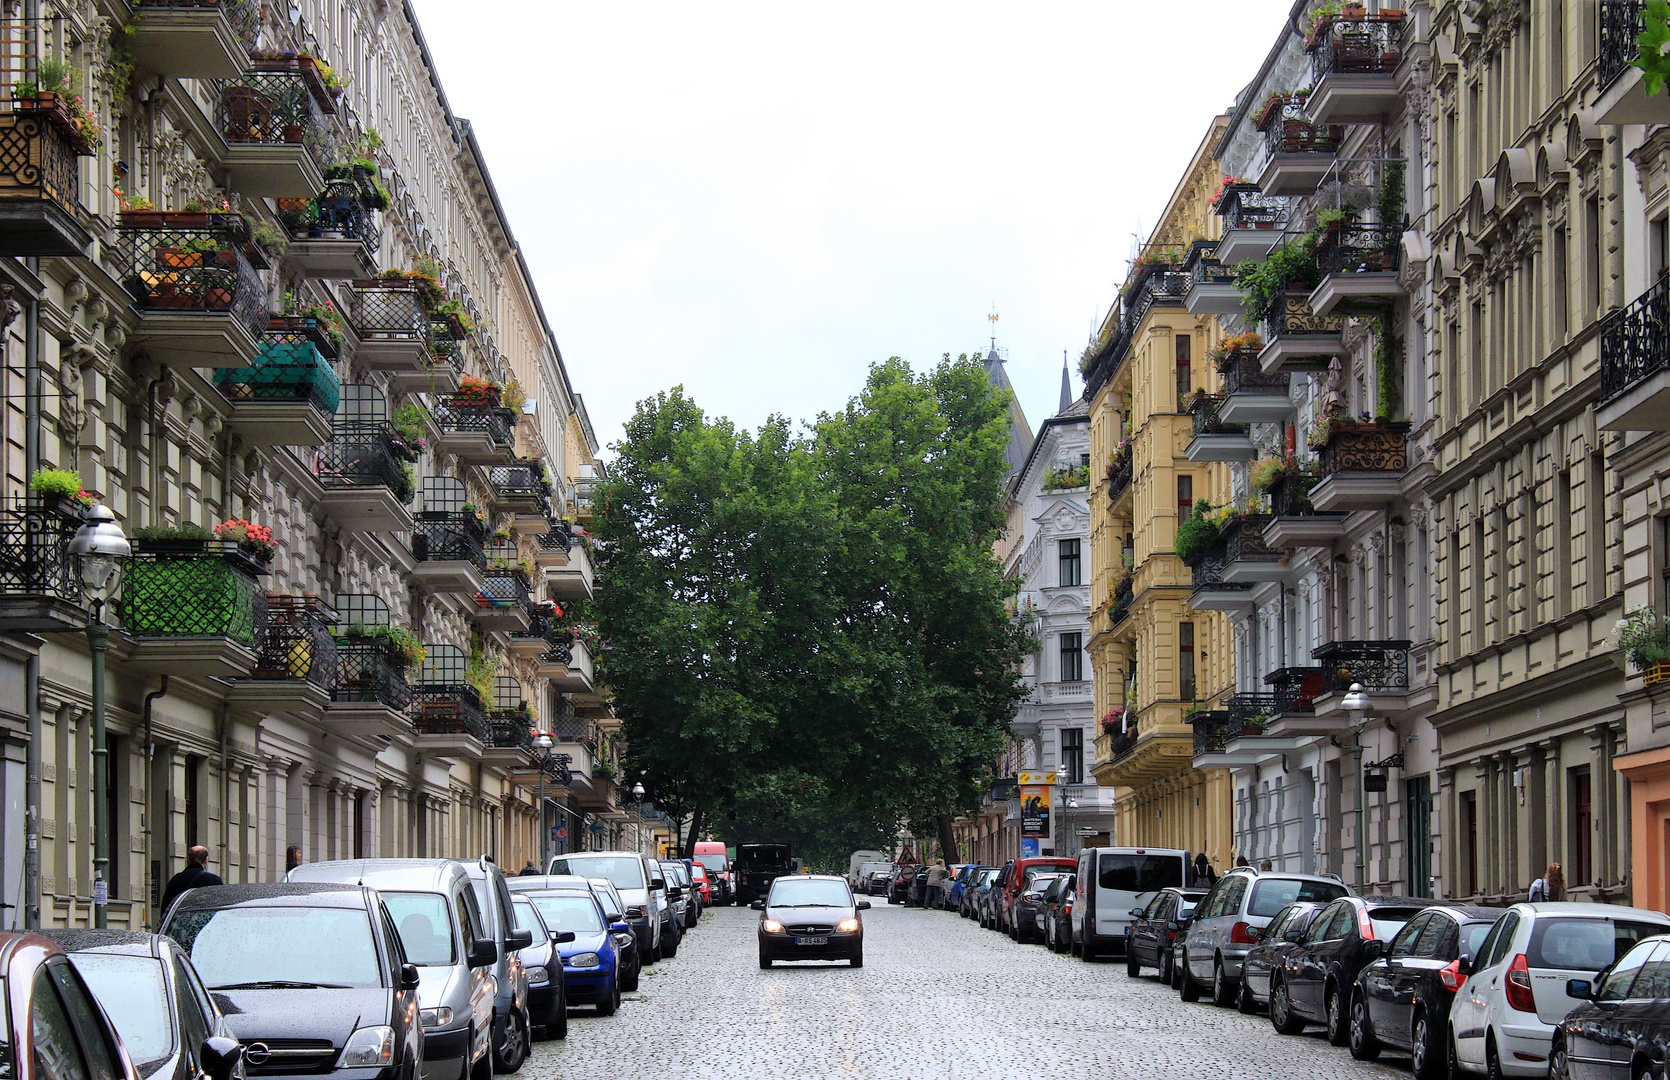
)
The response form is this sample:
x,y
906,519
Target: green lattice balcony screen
x,y
285,370
192,595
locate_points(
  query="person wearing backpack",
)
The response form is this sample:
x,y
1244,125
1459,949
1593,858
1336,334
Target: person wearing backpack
x,y
1550,887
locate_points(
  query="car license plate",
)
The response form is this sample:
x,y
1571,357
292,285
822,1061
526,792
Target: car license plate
x,y
811,941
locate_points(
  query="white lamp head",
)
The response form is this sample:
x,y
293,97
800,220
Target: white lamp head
x,y
97,545
1355,700
542,740
638,791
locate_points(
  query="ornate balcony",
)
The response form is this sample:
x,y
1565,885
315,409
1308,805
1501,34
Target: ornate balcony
x,y
192,39
370,670
554,663
576,676
478,434
296,661
193,607
1380,667
509,738
1250,395
277,120
367,483
333,234
1296,338
1622,98
1296,690
1215,440
1253,223
1359,266
40,588
554,546
502,603
1214,730
201,302
1301,151
1211,591
1130,760
1353,66
452,712
447,546
534,640
288,395
574,579
521,489
1297,523
1212,289
1124,595
1119,480
388,318
40,185
1362,466
1248,557
1635,364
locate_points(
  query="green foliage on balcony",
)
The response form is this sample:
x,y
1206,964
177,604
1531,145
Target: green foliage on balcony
x,y
207,595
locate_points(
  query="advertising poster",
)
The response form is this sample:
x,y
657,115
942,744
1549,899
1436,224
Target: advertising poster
x,y
1029,846
1035,803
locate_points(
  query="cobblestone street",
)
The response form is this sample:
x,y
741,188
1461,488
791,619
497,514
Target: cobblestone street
x,y
937,997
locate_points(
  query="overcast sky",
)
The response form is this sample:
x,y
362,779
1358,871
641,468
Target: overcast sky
x,y
759,200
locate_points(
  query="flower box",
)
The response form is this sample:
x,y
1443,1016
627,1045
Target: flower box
x,y
1657,673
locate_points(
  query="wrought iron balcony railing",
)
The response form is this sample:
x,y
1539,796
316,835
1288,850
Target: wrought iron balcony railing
x,y
1215,730
293,366
1208,572
558,539
1374,665
38,162
443,536
369,670
1292,132
1243,206
458,417
169,266
1366,46
1244,540
337,213
1620,29
1119,478
1252,710
1635,340
1123,596
204,588
279,101
1360,247
1204,410
34,553
521,484
1242,374
1365,447
295,642
1296,688
1290,315
447,709
362,453
1290,496
505,587
508,731
381,309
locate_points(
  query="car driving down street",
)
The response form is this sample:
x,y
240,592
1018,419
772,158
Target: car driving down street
x,y
811,918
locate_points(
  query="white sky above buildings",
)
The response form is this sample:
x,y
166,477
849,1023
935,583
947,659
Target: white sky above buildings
x,y
758,200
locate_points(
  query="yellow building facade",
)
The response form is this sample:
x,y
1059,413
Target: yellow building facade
x,y
1154,658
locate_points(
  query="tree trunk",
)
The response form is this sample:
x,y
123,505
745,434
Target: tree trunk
x,y
948,840
696,816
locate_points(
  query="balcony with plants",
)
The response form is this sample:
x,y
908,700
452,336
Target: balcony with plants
x,y
1253,222
1200,543
1249,395
201,303
1361,462
192,39
289,394
447,540
1276,296
1635,363
1212,289
1295,521
296,660
555,543
278,121
367,469
1354,60
191,603
523,489
1120,470
575,579
568,666
446,709
1214,439
40,584
1358,261
1644,640
336,233
390,323
375,663
474,425
42,139
1156,276
1630,79
1300,150
504,603
1249,557
509,724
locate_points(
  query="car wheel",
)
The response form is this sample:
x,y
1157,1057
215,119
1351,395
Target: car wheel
x,y
1187,989
1492,1060
857,961
1281,1010
1165,967
1133,966
1426,1053
1339,1021
629,981
483,1068
669,947
765,961
1073,947
1244,1000
1559,1065
1364,1046
1087,951
608,1005
558,1027
512,1049
1223,988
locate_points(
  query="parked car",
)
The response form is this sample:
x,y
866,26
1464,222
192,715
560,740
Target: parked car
x,y
1503,1017
988,894
154,997
1114,880
316,971
632,874
1155,928
590,964
1621,1028
711,854
704,885
811,917
446,927
1017,878
1228,920
626,943
1029,902
57,1019
669,901
547,998
1403,999
968,905
686,908
903,875
917,895
958,885
1318,976
1275,941
878,882
1056,909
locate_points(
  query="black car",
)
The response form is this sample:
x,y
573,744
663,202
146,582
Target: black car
x,y
547,989
1057,914
755,867
918,892
1023,920
307,975
898,890
1622,1027
1403,999
151,993
1287,928
878,881
1154,930
1316,979
811,917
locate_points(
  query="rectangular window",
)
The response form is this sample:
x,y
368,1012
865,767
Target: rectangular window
x,y
1597,255
1185,496
1562,542
1186,660
1580,849
1468,856
1594,500
1558,258
1499,601
1069,568
1184,383
1072,754
192,770
1480,608
1418,792
1072,657
1476,363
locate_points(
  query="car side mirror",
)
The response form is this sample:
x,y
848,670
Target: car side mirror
x,y
758,905
657,883
617,927
1293,935
518,939
1136,913
1582,989
1373,949
563,937
219,1056
614,917
863,905
484,952
409,978
1464,967
675,893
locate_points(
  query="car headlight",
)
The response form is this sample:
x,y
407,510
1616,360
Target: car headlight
x,y
847,926
538,974
368,1046
585,960
771,926
430,1019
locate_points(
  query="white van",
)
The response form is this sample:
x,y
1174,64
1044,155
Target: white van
x,y
860,865
1112,881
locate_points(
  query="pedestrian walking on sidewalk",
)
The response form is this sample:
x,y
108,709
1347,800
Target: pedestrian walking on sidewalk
x,y
1205,877
936,884
1550,887
196,875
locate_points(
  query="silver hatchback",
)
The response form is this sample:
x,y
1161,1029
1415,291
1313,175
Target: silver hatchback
x,y
1228,921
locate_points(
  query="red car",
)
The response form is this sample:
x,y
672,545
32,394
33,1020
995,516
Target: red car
x,y
1020,872
698,874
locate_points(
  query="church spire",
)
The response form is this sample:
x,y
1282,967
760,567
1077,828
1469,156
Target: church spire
x,y
1066,384
1020,432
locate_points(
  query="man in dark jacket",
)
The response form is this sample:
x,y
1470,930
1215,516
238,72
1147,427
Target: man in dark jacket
x,y
194,876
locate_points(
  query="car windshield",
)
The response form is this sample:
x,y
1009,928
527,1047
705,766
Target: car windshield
x,y
1139,873
1270,895
133,993
568,911
424,925
1040,882
625,873
1584,944
798,892
713,861
279,947
762,859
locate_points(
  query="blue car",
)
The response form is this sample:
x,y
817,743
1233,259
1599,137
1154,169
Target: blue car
x,y
590,965
960,884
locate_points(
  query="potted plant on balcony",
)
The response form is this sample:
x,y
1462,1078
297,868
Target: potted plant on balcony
x,y
474,391
254,540
61,491
182,587
1644,640
398,643
1196,536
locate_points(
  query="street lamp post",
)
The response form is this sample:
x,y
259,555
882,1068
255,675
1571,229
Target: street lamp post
x,y
97,545
638,809
542,749
1355,702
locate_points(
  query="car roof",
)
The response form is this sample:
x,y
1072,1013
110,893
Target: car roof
x,y
547,882
812,877
274,894
603,855
1378,900
123,942
12,941
1181,891
1593,911
1468,912
1283,875
417,875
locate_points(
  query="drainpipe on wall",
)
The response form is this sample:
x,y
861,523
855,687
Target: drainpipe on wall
x,y
223,723
150,752
32,666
